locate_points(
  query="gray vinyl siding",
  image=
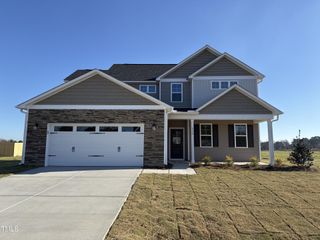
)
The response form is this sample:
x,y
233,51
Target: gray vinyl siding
x,y
136,85
203,92
234,102
179,124
224,67
218,154
192,65
166,95
96,90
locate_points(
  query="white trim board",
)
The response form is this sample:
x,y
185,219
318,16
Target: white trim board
x,y
82,78
246,93
255,117
224,77
100,107
206,47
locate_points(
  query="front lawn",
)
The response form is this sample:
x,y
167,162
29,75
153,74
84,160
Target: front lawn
x,y
283,155
222,204
10,165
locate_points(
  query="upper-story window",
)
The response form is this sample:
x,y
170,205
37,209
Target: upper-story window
x,y
217,85
176,92
148,88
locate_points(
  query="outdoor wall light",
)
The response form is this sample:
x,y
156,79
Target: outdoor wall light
x,y
154,127
35,127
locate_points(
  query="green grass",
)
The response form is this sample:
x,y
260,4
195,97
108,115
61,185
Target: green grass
x,y
283,155
222,204
10,165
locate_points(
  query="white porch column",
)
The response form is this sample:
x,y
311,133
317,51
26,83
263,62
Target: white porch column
x,y
271,147
188,139
192,140
25,137
165,139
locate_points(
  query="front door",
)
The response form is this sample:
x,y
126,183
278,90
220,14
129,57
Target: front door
x,y
176,143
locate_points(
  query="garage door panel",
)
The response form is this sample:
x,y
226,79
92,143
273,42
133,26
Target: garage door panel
x,y
95,149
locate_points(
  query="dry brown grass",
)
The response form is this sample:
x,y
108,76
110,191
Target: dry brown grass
x,y
222,204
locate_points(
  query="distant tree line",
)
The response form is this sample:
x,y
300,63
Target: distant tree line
x,y
313,143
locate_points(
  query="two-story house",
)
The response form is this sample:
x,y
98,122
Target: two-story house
x,y
150,114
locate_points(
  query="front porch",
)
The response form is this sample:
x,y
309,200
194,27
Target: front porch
x,y
192,138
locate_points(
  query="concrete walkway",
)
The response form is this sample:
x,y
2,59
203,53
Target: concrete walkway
x,y
178,167
63,203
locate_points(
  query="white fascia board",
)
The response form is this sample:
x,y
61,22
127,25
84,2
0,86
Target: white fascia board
x,y
236,61
254,117
82,78
223,77
100,107
274,110
174,80
206,47
150,81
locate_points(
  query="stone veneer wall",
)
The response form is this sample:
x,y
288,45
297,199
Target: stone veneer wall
x,y
153,140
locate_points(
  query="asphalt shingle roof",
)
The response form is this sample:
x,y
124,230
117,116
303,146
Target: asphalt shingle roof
x,y
129,72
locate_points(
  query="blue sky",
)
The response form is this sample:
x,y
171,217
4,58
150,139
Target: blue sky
x,y
41,42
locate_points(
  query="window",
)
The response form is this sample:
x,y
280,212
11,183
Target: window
x,y
86,129
131,129
224,85
108,129
148,88
63,128
215,85
241,135
205,135
176,92
231,83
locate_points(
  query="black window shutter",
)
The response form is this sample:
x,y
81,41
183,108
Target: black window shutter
x,y
215,132
196,135
250,136
231,135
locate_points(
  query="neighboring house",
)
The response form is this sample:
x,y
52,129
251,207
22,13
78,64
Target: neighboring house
x,y
150,114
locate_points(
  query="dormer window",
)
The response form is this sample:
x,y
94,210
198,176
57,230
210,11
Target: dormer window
x,y
218,85
148,88
176,92
224,85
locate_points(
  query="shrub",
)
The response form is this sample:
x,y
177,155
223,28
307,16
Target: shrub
x,y
229,160
206,160
301,154
254,161
278,162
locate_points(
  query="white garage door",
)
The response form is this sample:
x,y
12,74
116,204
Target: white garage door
x,y
95,145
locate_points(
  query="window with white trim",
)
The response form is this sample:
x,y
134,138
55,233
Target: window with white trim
x,y
148,88
240,135
176,92
217,85
224,85
205,135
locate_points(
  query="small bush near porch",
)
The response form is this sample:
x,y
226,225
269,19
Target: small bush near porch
x,y
222,204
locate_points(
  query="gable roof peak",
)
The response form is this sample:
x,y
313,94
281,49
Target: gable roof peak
x,y
204,48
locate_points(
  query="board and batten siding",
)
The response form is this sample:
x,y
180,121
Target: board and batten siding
x,y
166,95
96,90
219,153
234,102
136,85
224,67
203,93
192,65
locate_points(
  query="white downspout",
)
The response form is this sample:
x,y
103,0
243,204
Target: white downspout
x,y
26,112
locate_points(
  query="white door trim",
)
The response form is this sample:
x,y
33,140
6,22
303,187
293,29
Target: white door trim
x,y
183,145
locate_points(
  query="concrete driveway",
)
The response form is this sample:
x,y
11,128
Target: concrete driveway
x,y
63,203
